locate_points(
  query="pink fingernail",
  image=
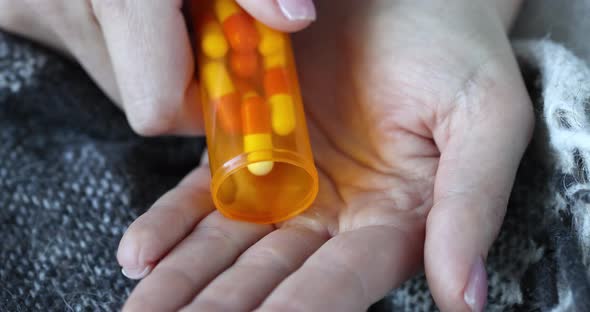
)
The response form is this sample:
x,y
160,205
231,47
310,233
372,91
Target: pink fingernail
x,y
298,10
136,273
476,292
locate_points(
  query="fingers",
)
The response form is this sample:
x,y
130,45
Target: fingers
x,y
256,272
139,52
481,145
212,247
19,18
70,26
350,272
151,55
507,10
166,223
285,15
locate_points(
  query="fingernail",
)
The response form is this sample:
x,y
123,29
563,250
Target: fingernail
x,y
136,273
298,10
476,292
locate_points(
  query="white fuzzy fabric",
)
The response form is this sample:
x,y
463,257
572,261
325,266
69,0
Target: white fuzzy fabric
x,y
566,112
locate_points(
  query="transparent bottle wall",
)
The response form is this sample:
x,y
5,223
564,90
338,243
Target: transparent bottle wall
x,y
259,152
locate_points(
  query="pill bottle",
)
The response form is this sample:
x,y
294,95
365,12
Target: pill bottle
x,y
262,168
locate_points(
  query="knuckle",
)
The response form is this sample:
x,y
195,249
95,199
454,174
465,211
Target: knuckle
x,y
218,235
265,258
14,17
108,7
151,116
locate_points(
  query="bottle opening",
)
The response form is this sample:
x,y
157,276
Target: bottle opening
x,y
267,187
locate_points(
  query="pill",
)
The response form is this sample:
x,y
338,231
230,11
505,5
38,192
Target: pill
x,y
275,60
276,81
217,80
272,46
226,8
271,41
228,111
277,88
222,93
244,86
213,42
257,134
283,114
245,64
237,25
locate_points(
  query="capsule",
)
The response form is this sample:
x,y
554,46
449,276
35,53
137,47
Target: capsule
x,y
271,41
214,45
257,133
272,47
244,65
275,60
223,95
237,25
276,86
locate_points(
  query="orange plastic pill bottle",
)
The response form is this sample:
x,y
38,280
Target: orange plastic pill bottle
x,y
261,162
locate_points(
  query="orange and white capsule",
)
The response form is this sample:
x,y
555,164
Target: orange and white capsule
x,y
237,25
223,95
257,134
278,91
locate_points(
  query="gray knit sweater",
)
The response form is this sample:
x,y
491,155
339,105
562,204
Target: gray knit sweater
x,y
73,176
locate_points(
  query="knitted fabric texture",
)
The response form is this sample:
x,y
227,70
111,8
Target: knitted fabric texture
x,y
73,176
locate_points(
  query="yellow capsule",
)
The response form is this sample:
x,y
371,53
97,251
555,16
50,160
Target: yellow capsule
x,y
271,42
283,113
261,168
213,44
259,145
217,80
225,9
275,60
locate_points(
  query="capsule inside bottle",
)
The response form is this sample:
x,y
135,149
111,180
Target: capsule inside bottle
x,y
260,157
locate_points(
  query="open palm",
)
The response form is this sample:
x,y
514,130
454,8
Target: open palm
x,y
418,120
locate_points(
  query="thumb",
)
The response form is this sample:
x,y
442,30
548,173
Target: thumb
x,y
481,144
284,15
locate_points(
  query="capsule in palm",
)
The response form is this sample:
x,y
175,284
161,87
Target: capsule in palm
x,y
257,134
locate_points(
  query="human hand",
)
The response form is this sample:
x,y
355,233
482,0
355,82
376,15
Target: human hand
x,y
138,52
418,118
